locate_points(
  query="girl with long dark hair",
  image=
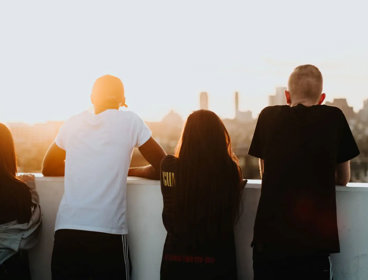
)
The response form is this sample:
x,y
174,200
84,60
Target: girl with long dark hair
x,y
15,208
201,188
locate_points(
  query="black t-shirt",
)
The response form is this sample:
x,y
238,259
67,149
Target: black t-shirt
x,y
15,201
182,258
301,147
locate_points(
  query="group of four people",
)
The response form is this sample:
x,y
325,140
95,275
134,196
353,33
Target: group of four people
x,y
304,151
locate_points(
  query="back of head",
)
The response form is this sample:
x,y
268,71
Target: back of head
x,y
204,137
208,177
108,92
306,82
8,167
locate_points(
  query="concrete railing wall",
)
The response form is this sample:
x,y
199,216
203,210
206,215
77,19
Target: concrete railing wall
x,y
147,234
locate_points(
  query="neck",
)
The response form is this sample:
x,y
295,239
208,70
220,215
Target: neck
x,y
99,109
304,102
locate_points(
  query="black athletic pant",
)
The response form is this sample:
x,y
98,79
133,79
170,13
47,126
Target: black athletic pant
x,y
312,267
16,267
89,255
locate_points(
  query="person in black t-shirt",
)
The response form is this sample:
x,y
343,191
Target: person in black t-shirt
x,y
201,190
304,151
15,205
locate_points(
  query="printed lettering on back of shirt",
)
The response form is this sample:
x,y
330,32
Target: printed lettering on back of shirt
x,y
168,179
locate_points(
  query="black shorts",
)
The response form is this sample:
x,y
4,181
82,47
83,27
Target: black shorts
x,y
90,255
316,267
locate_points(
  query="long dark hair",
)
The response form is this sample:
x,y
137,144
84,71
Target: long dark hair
x,y
208,178
8,165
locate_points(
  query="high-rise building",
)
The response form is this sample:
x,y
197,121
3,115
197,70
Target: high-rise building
x,y
363,113
343,105
236,102
279,97
241,115
203,100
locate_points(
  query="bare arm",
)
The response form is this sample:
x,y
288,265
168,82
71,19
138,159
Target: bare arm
x,y
54,161
342,173
261,167
153,153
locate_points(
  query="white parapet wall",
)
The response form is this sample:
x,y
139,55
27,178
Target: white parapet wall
x,y
147,234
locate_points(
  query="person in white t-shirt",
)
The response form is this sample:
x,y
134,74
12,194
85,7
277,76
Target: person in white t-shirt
x,y
91,227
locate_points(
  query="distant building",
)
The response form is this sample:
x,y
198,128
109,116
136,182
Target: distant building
x,y
342,104
167,132
363,113
241,129
36,133
203,100
31,143
241,116
236,99
279,97
173,119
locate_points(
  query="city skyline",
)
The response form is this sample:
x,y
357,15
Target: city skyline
x,y
240,113
32,141
49,64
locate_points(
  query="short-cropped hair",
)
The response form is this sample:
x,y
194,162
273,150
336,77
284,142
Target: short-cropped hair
x,y
306,81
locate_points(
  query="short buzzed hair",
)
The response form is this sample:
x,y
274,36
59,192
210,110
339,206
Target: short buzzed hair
x,y
306,81
108,90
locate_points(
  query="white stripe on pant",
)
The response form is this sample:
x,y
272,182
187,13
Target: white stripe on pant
x,y
126,256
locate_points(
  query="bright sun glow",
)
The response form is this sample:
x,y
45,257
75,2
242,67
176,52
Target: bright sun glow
x,y
166,52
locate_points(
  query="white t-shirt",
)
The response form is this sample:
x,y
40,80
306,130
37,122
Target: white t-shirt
x,y
98,153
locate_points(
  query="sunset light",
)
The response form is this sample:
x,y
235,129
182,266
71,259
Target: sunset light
x,y
196,139
167,52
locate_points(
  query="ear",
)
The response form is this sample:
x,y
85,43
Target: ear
x,y
122,104
322,98
288,98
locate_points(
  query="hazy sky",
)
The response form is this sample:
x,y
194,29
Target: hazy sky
x,y
166,52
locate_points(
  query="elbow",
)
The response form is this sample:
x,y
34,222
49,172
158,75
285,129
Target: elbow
x,y
156,167
152,173
156,174
46,171
342,181
342,173
49,170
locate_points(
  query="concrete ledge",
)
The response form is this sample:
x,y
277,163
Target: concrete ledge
x,y
147,234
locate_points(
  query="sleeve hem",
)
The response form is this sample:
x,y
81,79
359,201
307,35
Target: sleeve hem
x,y
146,137
253,154
350,157
57,142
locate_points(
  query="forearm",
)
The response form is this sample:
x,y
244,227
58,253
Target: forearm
x,y
153,153
148,172
54,161
53,170
342,173
261,167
